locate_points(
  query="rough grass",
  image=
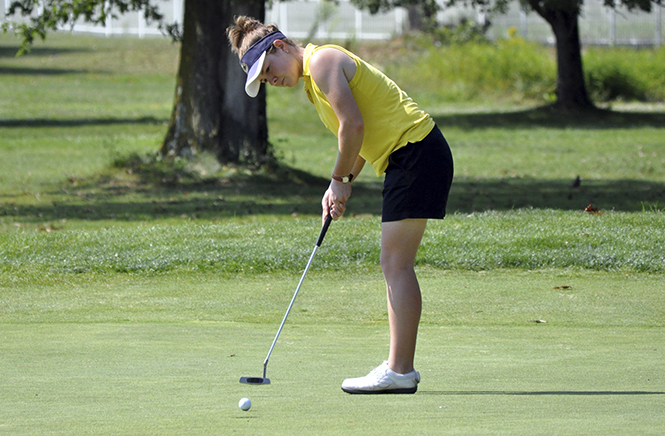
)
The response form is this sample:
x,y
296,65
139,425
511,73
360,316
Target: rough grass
x,y
515,70
525,239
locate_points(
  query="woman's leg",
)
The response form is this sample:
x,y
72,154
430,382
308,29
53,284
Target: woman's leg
x,y
399,244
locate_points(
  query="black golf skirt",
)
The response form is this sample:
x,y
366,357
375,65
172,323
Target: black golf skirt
x,y
418,180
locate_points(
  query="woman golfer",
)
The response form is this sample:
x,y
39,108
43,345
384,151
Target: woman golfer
x,y
375,122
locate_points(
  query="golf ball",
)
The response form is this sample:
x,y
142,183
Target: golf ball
x,y
244,404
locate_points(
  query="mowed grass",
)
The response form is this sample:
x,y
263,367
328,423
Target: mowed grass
x,y
155,379
163,355
135,293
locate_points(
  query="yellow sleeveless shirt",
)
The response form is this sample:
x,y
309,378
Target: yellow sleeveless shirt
x,y
392,119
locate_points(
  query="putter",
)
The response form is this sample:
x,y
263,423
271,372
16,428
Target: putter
x,y
264,380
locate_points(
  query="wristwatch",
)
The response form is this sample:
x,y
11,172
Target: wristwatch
x,y
345,179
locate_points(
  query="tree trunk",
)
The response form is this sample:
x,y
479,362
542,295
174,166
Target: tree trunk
x,y
422,17
211,110
415,18
563,17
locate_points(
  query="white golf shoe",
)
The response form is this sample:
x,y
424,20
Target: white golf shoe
x,y
383,380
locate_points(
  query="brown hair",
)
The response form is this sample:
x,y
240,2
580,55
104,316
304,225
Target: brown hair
x,y
247,30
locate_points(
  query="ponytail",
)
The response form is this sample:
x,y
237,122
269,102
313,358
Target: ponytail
x,y
247,31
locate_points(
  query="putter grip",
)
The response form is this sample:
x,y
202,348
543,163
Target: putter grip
x,y
324,229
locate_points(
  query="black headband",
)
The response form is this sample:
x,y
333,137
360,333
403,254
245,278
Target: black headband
x,y
256,50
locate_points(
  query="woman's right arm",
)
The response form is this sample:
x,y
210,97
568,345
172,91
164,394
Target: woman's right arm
x,y
332,70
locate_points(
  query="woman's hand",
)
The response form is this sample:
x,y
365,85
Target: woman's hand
x,y
334,200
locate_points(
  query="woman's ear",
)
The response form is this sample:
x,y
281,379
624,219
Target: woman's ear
x,y
280,44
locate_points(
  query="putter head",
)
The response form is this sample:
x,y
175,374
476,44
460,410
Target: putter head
x,y
255,380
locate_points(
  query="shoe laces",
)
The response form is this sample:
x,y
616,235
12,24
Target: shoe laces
x,y
381,369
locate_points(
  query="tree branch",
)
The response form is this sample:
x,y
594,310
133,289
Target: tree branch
x,y
50,15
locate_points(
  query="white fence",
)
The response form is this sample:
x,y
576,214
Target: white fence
x,y
598,25
318,19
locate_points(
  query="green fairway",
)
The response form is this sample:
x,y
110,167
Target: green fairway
x,y
163,356
150,379
135,292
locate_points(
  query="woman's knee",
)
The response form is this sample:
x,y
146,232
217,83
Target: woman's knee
x,y
394,265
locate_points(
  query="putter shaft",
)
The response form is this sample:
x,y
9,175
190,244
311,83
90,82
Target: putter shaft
x,y
281,326
324,229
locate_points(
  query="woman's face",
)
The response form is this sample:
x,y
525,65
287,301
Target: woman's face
x,y
280,67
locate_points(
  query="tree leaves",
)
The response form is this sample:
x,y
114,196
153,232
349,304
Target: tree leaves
x,y
50,15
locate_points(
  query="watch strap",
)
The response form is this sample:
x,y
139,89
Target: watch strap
x,y
345,179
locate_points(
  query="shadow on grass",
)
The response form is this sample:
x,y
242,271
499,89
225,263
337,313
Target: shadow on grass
x,y
77,122
300,193
20,71
535,393
175,194
513,193
539,117
547,116
10,51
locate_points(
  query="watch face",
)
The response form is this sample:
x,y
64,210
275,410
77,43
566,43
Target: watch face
x,y
345,179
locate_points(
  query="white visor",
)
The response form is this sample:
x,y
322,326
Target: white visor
x,y
253,84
